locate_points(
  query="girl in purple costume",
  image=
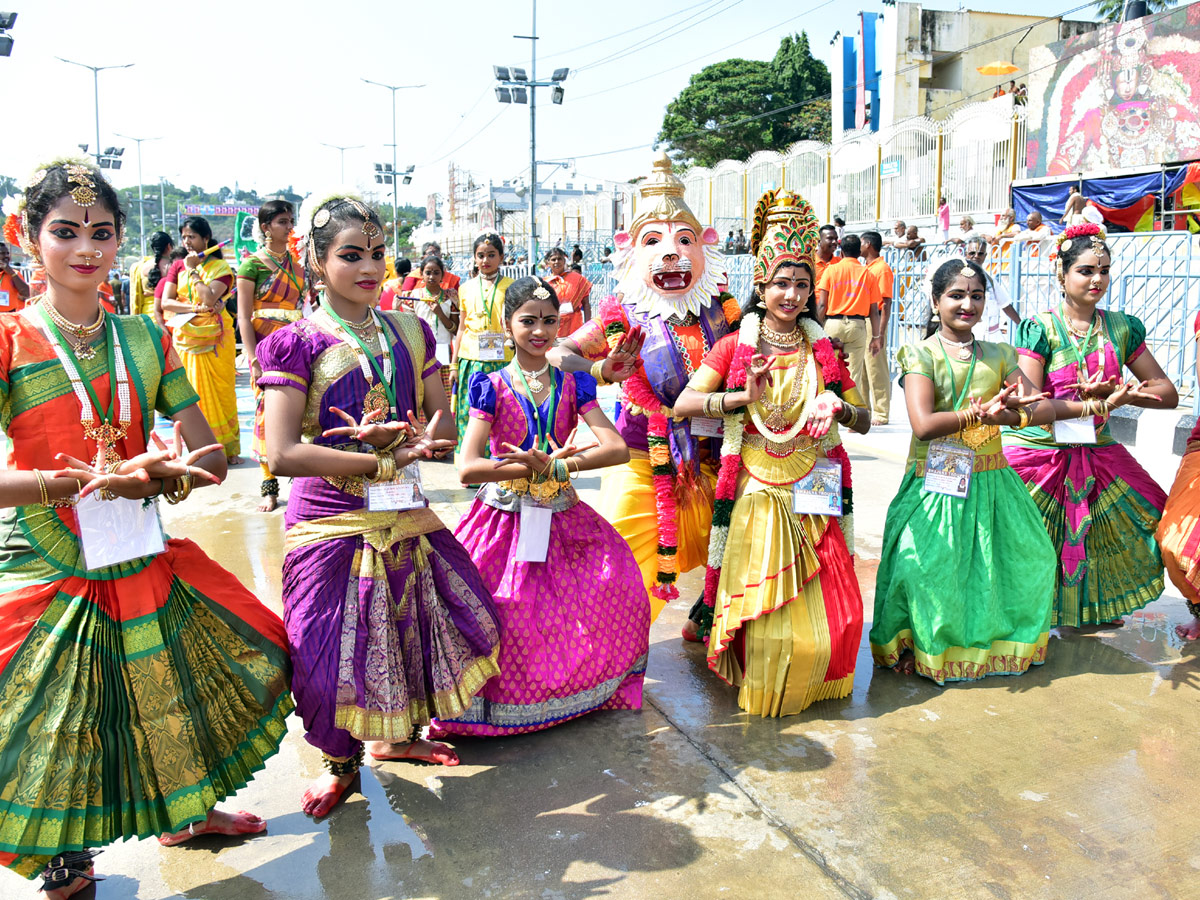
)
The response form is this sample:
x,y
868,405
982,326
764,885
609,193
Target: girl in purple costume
x,y
576,627
388,620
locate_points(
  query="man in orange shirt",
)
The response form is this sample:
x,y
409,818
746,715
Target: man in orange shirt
x,y
827,242
879,378
847,299
13,289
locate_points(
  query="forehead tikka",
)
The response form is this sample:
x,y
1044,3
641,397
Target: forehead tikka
x,y
84,192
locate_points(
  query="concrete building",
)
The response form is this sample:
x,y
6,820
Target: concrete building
x,y
910,61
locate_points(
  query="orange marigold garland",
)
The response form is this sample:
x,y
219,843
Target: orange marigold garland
x,y
12,229
643,399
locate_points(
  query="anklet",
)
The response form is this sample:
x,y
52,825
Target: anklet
x,y
339,766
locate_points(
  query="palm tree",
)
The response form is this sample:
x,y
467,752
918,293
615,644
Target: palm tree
x,y
1113,10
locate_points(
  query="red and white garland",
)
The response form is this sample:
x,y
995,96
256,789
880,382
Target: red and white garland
x,y
731,448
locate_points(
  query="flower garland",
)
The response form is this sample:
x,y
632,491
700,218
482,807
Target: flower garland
x,y
731,448
643,399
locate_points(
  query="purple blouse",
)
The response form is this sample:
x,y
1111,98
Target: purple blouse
x,y
308,359
493,399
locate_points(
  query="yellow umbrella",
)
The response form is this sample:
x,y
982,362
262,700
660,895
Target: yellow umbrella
x,y
999,67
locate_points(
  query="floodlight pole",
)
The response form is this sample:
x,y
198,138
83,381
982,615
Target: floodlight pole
x,y
395,226
96,70
342,150
533,181
141,198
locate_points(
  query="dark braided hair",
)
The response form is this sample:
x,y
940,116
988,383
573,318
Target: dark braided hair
x,y
161,243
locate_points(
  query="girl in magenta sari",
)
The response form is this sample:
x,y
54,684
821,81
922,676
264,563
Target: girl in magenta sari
x,y
388,621
1100,507
576,625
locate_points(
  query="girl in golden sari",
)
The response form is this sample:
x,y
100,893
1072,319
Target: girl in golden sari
x,y
786,603
197,290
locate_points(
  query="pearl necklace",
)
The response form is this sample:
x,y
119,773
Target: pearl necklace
x,y
81,334
966,349
534,379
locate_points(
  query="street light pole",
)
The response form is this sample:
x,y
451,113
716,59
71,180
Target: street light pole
x,y
393,88
141,198
342,151
96,70
533,179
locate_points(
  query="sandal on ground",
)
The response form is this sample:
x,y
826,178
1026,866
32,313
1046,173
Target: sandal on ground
x,y
63,869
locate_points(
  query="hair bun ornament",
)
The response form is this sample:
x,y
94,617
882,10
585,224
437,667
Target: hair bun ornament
x,y
321,219
541,293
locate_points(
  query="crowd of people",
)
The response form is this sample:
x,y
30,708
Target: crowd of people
x,y
141,683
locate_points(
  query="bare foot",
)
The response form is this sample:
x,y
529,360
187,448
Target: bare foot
x,y
691,632
1189,631
1113,623
876,420
269,503
417,751
218,822
234,460
324,793
906,665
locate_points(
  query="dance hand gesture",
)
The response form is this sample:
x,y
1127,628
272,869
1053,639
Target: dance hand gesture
x,y
1125,393
623,360
820,417
1015,396
1093,387
424,445
758,378
131,477
538,461
377,434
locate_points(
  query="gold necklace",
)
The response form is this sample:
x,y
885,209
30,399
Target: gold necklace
x,y
781,338
966,349
81,334
534,379
365,328
775,426
278,257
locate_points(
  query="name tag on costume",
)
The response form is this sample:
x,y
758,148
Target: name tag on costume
x,y
533,538
948,468
709,428
491,346
402,492
180,319
1075,431
118,530
4,299
565,309
819,493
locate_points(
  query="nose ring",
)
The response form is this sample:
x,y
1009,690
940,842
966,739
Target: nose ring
x,y
99,253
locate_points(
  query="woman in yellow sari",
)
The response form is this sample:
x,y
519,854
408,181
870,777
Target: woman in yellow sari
x,y
197,289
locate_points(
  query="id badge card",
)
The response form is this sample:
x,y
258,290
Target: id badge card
x,y
4,301
118,530
1075,431
491,346
402,492
948,468
819,493
709,428
565,309
533,537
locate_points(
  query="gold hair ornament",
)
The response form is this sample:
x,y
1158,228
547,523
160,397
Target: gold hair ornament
x,y
541,293
84,192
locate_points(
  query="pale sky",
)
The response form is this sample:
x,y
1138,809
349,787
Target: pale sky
x,y
247,91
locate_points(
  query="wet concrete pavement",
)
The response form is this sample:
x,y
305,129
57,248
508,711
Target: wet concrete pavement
x,y
1077,778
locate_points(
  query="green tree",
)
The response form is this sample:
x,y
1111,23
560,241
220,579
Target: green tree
x,y
1113,10
736,107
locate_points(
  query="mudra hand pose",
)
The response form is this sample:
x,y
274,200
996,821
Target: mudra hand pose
x,y
137,688
387,617
786,607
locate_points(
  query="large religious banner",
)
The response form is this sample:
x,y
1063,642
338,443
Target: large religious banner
x,y
1127,94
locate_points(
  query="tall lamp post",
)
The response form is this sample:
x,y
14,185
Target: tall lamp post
x,y
512,89
342,150
141,196
96,70
393,88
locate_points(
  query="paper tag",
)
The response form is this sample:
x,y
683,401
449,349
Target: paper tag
x,y
565,309
180,319
118,530
819,493
4,299
533,536
442,354
491,346
1075,431
402,492
948,468
709,428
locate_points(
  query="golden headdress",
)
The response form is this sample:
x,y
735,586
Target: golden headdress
x,y
785,231
662,198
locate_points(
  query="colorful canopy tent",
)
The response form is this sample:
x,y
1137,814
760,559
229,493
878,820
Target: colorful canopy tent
x,y
1125,200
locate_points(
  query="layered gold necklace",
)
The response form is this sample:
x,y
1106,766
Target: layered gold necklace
x,y
79,335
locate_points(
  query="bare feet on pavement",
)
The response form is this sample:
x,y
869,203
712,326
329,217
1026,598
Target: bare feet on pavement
x,y
218,822
906,665
416,751
324,793
269,503
1189,631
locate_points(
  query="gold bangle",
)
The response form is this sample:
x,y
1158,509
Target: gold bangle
x,y
385,468
1023,417
41,480
573,459
597,372
400,441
